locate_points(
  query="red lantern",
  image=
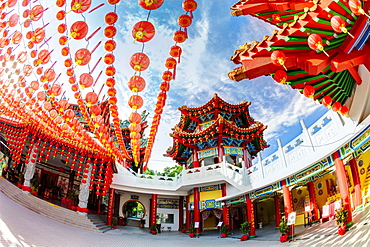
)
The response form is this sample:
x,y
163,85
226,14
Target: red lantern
x,y
356,8
170,63
36,12
165,86
110,82
336,106
344,110
339,25
69,115
63,40
62,28
79,30
49,75
65,51
112,100
95,110
91,99
109,58
13,20
56,90
189,6
135,102
184,21
315,43
150,4
68,62
280,76
86,80
176,51
60,3
309,91
113,2
143,31
38,35
136,84
27,70
110,45
41,96
17,37
82,56
110,71
111,18
80,6
179,36
110,31
139,61
43,57
326,101
278,58
112,91
61,15
167,76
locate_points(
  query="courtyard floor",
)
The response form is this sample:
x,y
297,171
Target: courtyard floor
x,y
21,227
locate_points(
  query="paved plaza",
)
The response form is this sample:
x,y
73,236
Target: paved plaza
x,y
21,227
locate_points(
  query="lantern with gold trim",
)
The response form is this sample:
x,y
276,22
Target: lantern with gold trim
x,y
143,31
150,4
139,61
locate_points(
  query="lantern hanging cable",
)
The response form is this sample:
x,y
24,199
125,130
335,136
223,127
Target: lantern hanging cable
x,y
188,6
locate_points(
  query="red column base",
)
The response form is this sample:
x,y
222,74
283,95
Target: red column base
x,y
26,188
83,210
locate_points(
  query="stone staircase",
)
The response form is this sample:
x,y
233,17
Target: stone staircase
x,y
52,211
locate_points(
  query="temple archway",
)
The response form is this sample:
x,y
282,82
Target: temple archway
x,y
134,211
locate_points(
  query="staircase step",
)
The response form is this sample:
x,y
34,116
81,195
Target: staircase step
x,y
54,212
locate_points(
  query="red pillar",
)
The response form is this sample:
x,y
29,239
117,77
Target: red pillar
x,y
153,210
313,201
288,204
110,206
277,210
196,210
356,182
181,212
188,219
250,217
225,209
195,157
343,184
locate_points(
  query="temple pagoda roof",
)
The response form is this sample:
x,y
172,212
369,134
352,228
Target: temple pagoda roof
x,y
206,135
334,75
274,12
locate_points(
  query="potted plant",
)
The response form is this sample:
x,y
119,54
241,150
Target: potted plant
x,y
284,229
114,222
244,229
142,223
224,230
153,229
35,182
341,220
124,221
192,233
183,229
20,180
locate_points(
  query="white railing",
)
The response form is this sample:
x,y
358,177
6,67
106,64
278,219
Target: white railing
x,y
318,141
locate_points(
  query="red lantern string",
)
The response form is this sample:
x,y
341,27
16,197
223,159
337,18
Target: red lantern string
x,y
180,36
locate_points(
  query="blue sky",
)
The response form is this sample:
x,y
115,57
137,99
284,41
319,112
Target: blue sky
x,y
205,62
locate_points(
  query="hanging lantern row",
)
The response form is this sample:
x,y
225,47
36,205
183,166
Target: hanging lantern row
x,y
180,36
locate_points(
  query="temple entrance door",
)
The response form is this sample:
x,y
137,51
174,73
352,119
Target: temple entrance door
x,y
133,211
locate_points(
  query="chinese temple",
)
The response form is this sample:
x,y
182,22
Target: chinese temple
x,y
211,134
81,156
216,131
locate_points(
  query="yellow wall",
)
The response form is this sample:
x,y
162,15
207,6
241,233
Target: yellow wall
x,y
266,211
365,157
210,195
322,199
210,222
298,204
191,198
